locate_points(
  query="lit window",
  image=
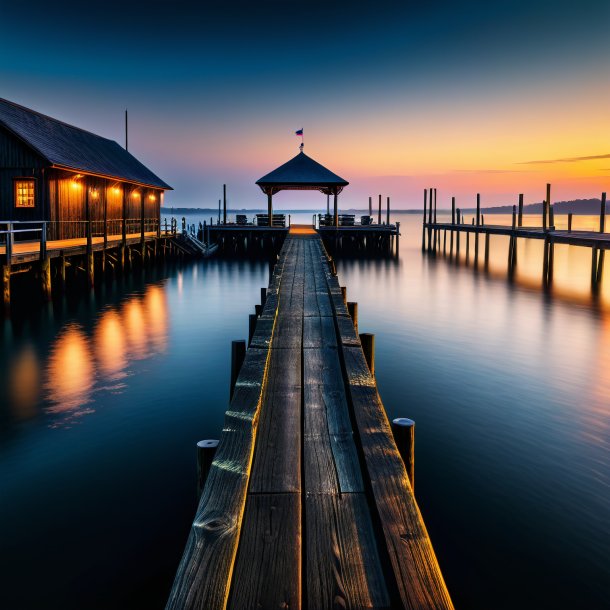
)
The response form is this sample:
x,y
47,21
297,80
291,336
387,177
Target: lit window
x,y
24,193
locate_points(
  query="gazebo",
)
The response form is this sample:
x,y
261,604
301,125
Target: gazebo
x,y
301,173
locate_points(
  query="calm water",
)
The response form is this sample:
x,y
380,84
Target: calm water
x,y
103,399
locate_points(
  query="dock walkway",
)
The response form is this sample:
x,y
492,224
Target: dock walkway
x,y
307,503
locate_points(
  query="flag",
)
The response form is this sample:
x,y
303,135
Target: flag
x,y
300,132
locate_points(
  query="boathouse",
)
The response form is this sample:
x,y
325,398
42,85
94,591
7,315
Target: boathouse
x,y
299,174
54,172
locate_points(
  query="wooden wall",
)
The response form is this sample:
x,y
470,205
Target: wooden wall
x,y
18,161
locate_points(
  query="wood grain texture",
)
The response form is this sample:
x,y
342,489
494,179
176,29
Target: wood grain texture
x,y
330,457
268,565
277,456
342,564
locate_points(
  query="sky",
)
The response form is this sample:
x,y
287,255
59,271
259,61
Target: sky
x,y
496,98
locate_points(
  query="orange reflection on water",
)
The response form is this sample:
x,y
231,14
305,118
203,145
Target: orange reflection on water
x,y
70,371
109,340
24,382
81,363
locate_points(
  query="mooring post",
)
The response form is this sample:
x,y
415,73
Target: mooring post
x,y
423,230
403,429
344,294
379,214
602,214
259,310
6,286
453,210
367,340
388,211
487,250
551,217
548,203
570,222
224,205
238,353
352,309
478,209
206,450
434,206
521,209
263,297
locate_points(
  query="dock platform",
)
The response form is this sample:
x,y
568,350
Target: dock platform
x,y
308,503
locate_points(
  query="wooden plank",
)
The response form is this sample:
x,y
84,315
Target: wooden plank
x,y
342,564
330,459
277,457
319,332
416,570
347,333
268,565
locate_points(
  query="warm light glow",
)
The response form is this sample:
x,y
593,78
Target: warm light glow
x,y
152,197
70,371
94,194
116,190
24,384
110,345
135,194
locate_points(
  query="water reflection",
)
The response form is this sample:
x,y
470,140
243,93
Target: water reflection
x,y
82,361
571,279
24,383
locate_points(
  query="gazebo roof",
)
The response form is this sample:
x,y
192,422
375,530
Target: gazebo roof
x,y
302,172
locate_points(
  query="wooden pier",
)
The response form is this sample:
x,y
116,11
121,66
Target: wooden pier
x,y
57,264
308,503
434,236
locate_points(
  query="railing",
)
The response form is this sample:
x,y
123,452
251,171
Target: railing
x,y
44,231
9,233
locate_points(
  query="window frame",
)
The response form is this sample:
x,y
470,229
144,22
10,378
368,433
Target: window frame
x,y
16,181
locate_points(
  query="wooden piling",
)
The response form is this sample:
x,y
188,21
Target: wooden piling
x,y
45,278
453,210
570,222
379,214
224,205
548,203
423,229
206,450
263,297
594,267
434,206
520,210
344,294
388,211
238,353
478,209
486,250
602,214
403,429
352,308
551,217
367,340
6,286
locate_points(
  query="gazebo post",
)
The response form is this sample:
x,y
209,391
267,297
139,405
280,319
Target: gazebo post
x,y
336,209
270,206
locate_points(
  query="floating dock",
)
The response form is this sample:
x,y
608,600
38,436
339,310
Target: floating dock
x,y
308,502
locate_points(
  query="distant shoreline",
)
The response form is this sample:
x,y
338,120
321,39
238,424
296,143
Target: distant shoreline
x,y
584,207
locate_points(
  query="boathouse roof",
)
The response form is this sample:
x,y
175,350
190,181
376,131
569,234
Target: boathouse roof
x,y
302,172
67,147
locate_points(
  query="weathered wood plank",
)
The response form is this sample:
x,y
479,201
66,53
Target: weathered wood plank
x,y
277,456
330,458
319,332
418,575
343,568
268,565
